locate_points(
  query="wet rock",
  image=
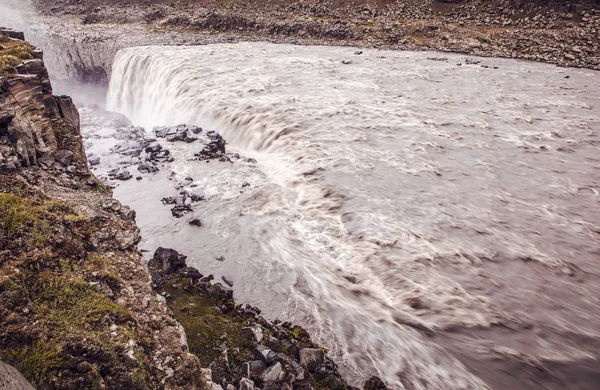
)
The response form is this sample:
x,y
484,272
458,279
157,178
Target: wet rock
x,y
311,358
171,260
65,157
119,174
147,168
154,147
245,184
328,368
94,160
227,281
374,383
196,222
193,274
180,210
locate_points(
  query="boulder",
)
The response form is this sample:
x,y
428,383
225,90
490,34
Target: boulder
x,y
311,358
65,157
274,373
171,260
265,354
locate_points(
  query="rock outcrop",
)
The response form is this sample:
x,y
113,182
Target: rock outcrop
x,y
36,128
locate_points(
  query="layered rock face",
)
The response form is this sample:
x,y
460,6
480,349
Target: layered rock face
x,y
37,128
77,309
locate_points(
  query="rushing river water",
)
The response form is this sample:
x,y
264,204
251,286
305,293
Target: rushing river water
x,y
431,223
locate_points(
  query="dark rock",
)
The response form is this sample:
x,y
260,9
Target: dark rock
x,y
193,274
195,222
374,383
245,184
265,354
227,281
220,258
147,168
311,358
181,210
138,178
171,260
326,369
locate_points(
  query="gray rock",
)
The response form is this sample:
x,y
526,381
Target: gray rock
x,y
246,384
273,373
311,358
12,379
65,157
94,160
265,354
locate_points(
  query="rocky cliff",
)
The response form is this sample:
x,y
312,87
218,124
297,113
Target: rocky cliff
x,y
77,309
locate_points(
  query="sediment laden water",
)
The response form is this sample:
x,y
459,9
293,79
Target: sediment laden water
x,y
431,223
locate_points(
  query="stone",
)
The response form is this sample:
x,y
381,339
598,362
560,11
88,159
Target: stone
x,y
246,384
95,160
265,354
227,281
170,258
65,157
196,222
273,373
11,379
311,358
254,333
374,383
147,168
255,368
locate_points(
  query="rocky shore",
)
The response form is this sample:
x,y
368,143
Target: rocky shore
x,y
565,34
79,308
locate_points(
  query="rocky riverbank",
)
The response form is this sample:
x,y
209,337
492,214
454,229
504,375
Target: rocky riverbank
x,y
77,306
241,349
567,35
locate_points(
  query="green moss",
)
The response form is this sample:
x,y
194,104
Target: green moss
x,y
17,212
33,361
204,325
71,304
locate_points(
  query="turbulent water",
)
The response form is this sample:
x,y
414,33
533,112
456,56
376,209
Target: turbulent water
x,y
432,222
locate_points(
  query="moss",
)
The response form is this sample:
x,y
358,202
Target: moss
x,y
17,212
204,325
12,54
76,218
33,361
70,304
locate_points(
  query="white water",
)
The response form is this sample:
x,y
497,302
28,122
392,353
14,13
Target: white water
x,y
401,208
